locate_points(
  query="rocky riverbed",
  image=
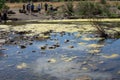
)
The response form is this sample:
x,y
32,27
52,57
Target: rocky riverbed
x,y
38,51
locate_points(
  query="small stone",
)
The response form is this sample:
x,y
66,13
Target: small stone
x,y
101,62
30,43
43,47
71,46
21,66
56,45
22,46
51,47
42,52
18,52
67,41
84,68
33,51
84,78
52,60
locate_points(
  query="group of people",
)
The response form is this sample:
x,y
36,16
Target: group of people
x,y
30,7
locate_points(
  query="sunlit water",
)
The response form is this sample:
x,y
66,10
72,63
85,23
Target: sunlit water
x,y
69,63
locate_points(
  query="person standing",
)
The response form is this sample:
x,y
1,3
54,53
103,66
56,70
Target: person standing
x,y
39,8
5,16
28,7
32,7
0,17
46,6
23,7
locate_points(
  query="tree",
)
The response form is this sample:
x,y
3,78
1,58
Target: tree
x,y
2,3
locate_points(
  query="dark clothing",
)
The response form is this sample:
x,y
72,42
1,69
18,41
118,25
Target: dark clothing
x,y
28,7
46,6
32,7
24,7
0,17
4,17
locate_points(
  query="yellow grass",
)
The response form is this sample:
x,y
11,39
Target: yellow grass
x,y
19,5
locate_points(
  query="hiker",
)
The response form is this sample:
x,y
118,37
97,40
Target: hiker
x,y
32,7
28,7
23,7
4,16
0,17
46,6
39,8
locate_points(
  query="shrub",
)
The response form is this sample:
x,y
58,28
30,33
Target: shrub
x,y
119,7
68,9
103,1
91,10
6,7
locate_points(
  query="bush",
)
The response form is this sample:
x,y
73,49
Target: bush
x,y
119,7
91,10
6,7
103,1
68,9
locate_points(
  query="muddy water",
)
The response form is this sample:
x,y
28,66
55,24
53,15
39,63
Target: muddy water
x,y
62,56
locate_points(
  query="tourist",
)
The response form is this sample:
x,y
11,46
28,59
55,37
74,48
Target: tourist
x,y
46,6
0,17
4,16
39,8
28,7
32,7
23,7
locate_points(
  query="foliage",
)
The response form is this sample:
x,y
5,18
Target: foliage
x,y
2,2
6,7
103,1
89,9
68,9
118,7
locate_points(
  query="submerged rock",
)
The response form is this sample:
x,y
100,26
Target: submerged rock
x,y
33,51
111,56
84,78
66,41
70,46
52,47
22,46
21,66
94,51
43,47
52,60
57,45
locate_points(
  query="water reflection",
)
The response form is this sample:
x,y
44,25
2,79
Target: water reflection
x,y
69,61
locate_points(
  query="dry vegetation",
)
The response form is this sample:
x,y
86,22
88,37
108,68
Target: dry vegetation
x,y
19,5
